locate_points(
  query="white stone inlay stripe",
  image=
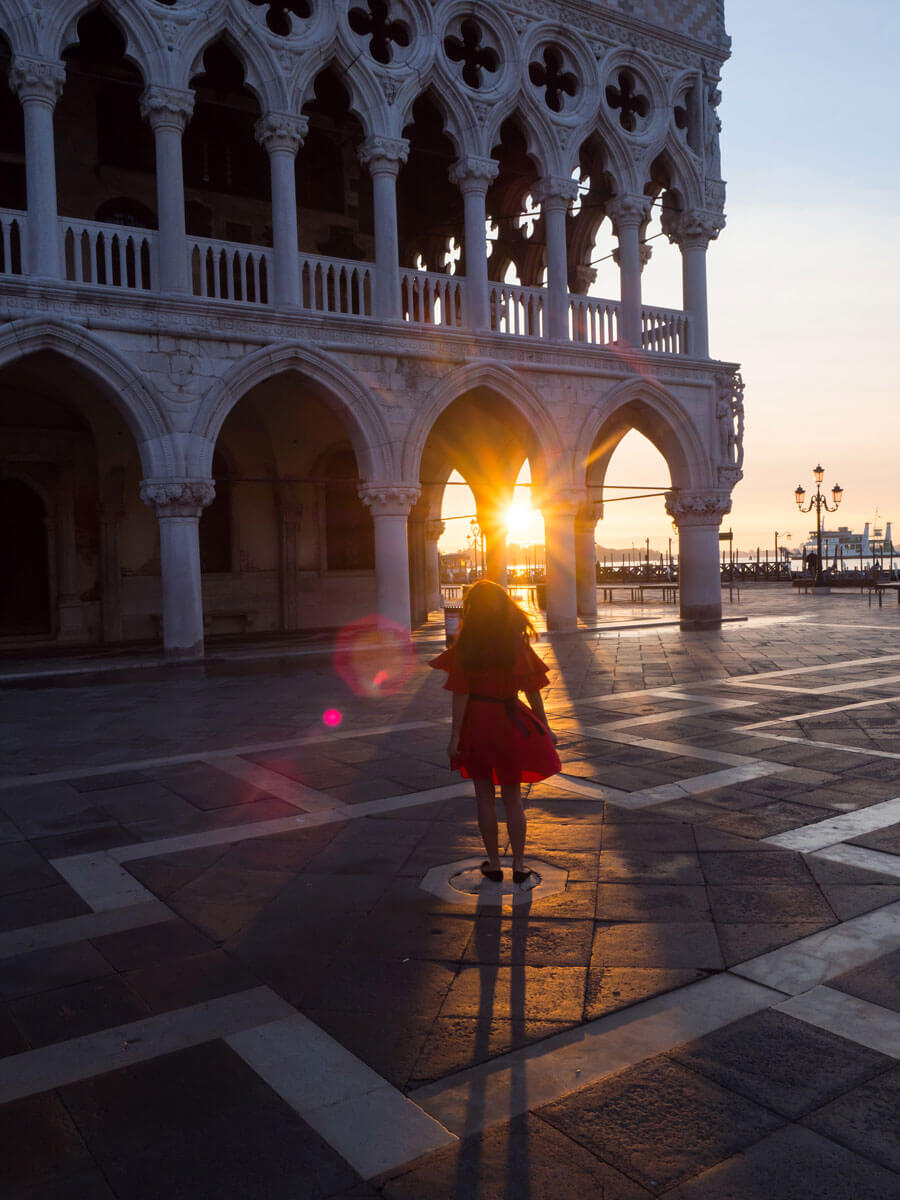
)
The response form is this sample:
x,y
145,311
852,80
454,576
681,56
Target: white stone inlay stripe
x,y
593,791
833,666
822,712
290,790
813,960
685,749
838,829
124,1045
78,929
802,741
536,1075
372,1125
847,1016
862,856
101,882
849,685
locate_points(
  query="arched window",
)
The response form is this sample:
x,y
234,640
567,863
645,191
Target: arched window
x,y
215,524
349,532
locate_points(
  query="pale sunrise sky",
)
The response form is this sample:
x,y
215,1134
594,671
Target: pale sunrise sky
x,y
803,281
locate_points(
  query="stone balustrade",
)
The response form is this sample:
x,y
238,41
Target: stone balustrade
x,y
119,256
517,310
430,298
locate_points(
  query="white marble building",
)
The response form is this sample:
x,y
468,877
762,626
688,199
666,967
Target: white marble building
x,y
235,367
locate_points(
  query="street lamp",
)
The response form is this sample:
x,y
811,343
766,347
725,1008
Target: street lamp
x,y
475,538
778,534
818,502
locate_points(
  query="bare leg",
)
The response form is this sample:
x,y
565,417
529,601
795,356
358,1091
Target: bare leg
x,y
511,795
487,820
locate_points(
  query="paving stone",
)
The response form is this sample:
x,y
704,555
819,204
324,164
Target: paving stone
x,y
43,970
716,840
12,1040
651,902
455,1043
659,1123
730,867
657,944
632,866
865,1120
205,787
395,936
518,993
885,840
660,837
612,988
71,1012
22,869
523,939
787,1065
176,984
739,904
769,819
223,900
525,1158
42,1149
23,909
151,944
388,1042
101,783
83,841
745,941
793,1164
225,1132
848,901
358,985
878,981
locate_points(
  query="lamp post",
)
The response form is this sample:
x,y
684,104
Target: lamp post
x,y
818,502
778,534
475,538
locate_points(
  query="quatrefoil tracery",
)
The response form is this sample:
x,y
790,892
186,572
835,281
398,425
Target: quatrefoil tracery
x,y
278,16
376,24
630,102
550,75
468,50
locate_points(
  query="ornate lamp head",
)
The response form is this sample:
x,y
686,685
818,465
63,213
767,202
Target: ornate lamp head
x,y
799,494
837,494
818,474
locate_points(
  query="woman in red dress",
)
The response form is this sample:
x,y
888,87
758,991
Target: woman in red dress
x,y
495,738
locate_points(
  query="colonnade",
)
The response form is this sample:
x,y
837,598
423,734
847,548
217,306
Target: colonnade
x,y
39,83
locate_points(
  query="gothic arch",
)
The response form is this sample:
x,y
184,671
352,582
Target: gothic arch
x,y
503,382
143,46
651,410
343,391
367,100
137,401
262,74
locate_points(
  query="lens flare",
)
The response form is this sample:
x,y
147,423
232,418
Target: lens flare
x,y
332,717
374,656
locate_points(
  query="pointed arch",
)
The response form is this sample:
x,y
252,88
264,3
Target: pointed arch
x,y
262,74
644,405
338,387
138,402
144,48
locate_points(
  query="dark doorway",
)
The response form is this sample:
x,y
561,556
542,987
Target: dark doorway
x,y
24,594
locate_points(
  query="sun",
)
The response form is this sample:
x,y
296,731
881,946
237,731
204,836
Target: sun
x,y
518,520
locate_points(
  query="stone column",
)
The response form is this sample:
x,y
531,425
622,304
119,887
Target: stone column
x,y
562,597
389,504
628,214
168,110
291,509
586,559
554,195
473,176
384,157
698,516
282,135
39,83
692,232
433,533
178,504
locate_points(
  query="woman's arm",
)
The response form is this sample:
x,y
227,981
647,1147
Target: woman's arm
x,y
460,703
536,704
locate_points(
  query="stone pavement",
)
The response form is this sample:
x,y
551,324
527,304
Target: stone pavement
x,y
243,952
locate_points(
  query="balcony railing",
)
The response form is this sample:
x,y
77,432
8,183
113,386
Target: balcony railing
x,y
109,255
120,256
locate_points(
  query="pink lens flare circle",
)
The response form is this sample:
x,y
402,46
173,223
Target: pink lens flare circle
x,y
374,656
332,717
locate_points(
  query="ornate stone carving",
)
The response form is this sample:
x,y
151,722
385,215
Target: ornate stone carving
x,y
555,188
472,172
698,508
645,253
178,497
383,154
696,227
281,131
37,78
714,194
628,209
389,499
390,87
434,530
165,106
730,419
712,153
729,477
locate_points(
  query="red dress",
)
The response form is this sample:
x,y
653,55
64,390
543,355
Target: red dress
x,y
501,738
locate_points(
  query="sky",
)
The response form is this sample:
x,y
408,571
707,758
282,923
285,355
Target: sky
x,y
803,281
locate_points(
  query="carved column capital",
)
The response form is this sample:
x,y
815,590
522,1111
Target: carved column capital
x,y
389,499
567,502
279,131
178,497
589,514
697,508
167,107
645,253
37,78
628,210
383,155
434,530
554,191
698,227
473,174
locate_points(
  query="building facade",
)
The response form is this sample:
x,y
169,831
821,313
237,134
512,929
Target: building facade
x,y
255,304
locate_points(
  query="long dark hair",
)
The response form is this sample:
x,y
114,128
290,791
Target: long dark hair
x,y
493,628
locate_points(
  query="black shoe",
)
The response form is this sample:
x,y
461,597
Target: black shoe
x,y
521,876
494,875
